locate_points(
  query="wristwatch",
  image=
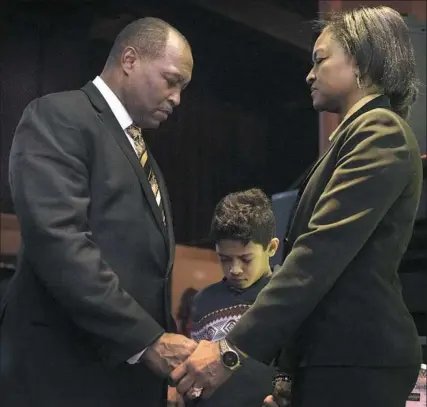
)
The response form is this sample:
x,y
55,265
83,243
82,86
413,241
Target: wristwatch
x,y
231,358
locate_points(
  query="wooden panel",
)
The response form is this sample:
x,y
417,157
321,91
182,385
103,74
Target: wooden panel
x,y
10,237
195,268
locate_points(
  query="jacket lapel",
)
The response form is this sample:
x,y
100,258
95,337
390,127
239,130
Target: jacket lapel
x,y
379,102
113,127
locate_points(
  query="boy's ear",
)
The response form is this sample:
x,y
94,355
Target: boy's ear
x,y
273,246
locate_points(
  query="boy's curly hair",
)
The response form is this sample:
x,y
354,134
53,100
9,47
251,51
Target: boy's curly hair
x,y
244,216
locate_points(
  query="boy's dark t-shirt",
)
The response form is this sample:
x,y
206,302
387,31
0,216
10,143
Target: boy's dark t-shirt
x,y
216,310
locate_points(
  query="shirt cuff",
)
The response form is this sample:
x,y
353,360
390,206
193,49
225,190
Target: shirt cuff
x,y
135,358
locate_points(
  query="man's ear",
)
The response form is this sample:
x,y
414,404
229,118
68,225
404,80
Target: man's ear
x,y
128,59
273,246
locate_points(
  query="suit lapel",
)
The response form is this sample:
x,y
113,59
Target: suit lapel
x,y
287,241
313,168
113,127
379,102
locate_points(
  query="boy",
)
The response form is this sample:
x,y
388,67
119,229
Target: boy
x,y
243,228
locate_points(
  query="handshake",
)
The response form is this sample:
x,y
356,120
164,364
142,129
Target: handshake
x,y
194,370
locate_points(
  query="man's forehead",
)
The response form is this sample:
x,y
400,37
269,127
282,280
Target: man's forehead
x,y
175,43
178,61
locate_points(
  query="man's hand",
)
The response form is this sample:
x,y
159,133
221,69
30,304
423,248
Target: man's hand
x,y
168,352
203,370
174,398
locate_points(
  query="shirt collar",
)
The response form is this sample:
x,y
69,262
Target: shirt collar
x,y
354,109
114,103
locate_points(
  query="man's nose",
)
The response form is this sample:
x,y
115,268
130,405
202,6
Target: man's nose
x,y
175,98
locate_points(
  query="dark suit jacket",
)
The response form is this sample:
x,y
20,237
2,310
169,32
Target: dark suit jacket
x,y
92,287
337,298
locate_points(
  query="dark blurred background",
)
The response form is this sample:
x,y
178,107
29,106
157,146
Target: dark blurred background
x,y
246,119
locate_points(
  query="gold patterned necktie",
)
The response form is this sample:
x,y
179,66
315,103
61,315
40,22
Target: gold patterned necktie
x,y
142,153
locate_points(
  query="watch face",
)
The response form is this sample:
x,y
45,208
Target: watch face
x,y
230,359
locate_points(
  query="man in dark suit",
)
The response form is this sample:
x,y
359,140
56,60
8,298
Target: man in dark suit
x,y
334,311
85,317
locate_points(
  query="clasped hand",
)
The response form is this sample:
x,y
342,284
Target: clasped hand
x,y
190,367
202,373
167,353
194,369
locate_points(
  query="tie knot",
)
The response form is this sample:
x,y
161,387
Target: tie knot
x,y
134,131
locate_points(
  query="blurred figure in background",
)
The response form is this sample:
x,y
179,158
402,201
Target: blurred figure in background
x,y
184,311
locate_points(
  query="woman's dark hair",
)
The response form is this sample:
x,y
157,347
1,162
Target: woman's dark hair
x,y
378,39
244,216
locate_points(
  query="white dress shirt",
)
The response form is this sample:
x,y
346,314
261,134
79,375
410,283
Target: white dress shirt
x,y
116,106
125,121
